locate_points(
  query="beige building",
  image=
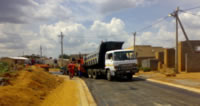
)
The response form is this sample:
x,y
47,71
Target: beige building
x,y
188,61
146,52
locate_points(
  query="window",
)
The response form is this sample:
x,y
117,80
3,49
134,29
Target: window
x,y
110,56
124,55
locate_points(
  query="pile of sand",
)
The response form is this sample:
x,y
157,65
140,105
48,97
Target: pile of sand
x,y
28,87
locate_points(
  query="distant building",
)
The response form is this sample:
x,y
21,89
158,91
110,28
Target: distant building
x,y
65,62
145,52
76,56
14,60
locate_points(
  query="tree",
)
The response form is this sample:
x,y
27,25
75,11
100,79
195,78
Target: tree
x,y
65,56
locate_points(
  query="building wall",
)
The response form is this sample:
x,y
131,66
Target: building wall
x,y
169,58
150,63
160,56
77,56
8,60
185,53
140,59
193,63
145,52
65,62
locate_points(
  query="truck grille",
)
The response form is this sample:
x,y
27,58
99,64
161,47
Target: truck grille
x,y
127,66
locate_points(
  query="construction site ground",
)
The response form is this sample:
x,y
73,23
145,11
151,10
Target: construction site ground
x,y
185,79
72,92
35,87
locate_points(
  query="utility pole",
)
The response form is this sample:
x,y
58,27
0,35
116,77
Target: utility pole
x,y
134,39
61,43
40,51
175,15
178,21
185,34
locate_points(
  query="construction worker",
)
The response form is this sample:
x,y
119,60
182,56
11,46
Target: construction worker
x,y
71,68
79,70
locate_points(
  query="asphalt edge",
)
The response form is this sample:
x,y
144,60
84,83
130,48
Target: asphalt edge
x,y
87,93
86,98
196,90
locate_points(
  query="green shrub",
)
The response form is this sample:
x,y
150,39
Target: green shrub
x,y
146,69
4,67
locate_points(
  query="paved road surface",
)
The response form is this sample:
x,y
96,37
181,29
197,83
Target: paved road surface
x,y
139,93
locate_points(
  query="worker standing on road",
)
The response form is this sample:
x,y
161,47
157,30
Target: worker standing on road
x,y
71,68
79,70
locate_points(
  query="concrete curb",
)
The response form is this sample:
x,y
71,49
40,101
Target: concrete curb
x,y
86,99
85,95
196,90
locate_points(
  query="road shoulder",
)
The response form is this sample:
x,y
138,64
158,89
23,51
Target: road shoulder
x,y
72,92
186,82
85,95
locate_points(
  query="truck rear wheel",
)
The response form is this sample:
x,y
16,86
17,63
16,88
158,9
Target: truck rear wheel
x,y
108,76
95,76
130,77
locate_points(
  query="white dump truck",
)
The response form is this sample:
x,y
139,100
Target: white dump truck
x,y
111,61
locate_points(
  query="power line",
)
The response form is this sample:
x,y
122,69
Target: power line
x,y
164,18
155,23
189,13
191,8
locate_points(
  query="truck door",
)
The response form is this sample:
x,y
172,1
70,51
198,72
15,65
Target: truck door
x,y
109,61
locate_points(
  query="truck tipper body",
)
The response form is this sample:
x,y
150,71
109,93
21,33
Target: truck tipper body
x,y
111,61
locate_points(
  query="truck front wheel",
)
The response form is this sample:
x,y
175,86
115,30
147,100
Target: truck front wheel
x,y
108,76
89,73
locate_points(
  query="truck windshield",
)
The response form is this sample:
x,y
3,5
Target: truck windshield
x,y
124,55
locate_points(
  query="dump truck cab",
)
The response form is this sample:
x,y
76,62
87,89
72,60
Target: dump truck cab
x,y
120,63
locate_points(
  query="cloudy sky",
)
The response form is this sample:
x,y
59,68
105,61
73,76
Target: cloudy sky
x,y
27,24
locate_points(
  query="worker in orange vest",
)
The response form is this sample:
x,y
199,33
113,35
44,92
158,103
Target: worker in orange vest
x,y
71,68
79,70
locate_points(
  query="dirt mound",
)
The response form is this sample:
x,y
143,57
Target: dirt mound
x,y
28,87
7,77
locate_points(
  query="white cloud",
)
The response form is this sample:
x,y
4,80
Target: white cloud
x,y
163,34
49,17
52,10
107,6
79,38
14,39
111,31
29,11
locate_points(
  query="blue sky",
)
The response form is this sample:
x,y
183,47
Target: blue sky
x,y
27,24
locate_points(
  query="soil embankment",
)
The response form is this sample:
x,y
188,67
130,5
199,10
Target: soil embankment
x,y
28,87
